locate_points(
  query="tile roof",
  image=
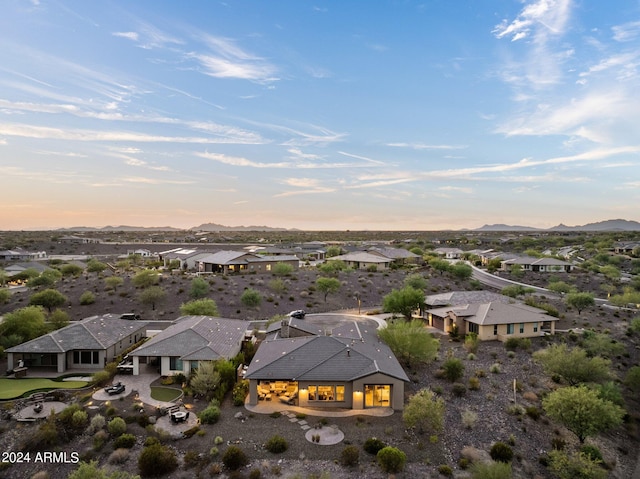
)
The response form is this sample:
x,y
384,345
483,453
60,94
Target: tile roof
x,y
495,313
226,257
362,257
94,333
326,358
197,338
453,298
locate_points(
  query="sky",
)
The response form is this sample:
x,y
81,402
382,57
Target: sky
x,y
385,115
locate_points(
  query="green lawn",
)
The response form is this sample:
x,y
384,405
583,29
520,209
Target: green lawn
x,y
165,394
14,388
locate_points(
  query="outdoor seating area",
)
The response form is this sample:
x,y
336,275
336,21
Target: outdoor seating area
x,y
177,415
285,391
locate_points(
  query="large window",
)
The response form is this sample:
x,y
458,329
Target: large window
x,y
326,393
473,328
86,357
175,364
510,328
377,395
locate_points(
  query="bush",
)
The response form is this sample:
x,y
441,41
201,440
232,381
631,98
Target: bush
x,y
157,460
276,444
373,445
240,391
459,389
391,459
126,441
474,383
234,458
97,422
117,426
87,298
210,415
119,456
491,470
495,368
255,474
533,412
445,470
501,452
453,369
592,452
350,456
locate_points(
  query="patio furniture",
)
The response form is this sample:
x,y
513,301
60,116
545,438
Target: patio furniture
x,y
38,408
115,389
179,416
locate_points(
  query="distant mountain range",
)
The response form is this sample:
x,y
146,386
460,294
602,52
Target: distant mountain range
x,y
607,225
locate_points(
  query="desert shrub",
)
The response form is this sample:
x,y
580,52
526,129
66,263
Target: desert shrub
x,y
453,369
391,459
151,441
210,415
126,441
471,357
501,452
119,456
101,378
234,458
469,418
592,452
215,469
99,439
117,426
255,474
97,422
533,412
79,419
474,383
445,470
218,440
157,460
276,444
459,389
373,445
45,438
471,342
350,456
191,459
495,368
491,470
87,298
240,391
565,466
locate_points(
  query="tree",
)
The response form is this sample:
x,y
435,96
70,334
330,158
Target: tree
x,y
49,298
146,278
87,298
22,325
580,301
59,319
277,285
610,272
200,307
599,344
403,301
425,412
199,288
71,269
416,281
95,266
416,250
47,278
573,365
632,379
582,411
333,251
410,341
461,271
561,287
251,298
516,270
4,277
282,269
112,282
441,265
152,295
327,286
205,380
332,267
5,295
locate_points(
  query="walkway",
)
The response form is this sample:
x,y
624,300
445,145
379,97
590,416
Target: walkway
x,y
269,407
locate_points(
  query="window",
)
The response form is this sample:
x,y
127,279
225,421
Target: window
x,y
268,267
495,329
521,328
510,328
326,393
378,395
175,363
535,327
473,328
86,357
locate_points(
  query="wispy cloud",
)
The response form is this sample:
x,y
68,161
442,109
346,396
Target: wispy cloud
x,y
626,32
424,146
156,181
245,162
306,186
129,35
539,19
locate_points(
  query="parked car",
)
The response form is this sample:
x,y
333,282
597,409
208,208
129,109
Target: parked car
x,y
117,388
298,314
130,316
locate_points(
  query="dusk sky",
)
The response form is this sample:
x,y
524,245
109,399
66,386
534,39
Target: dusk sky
x,y
380,115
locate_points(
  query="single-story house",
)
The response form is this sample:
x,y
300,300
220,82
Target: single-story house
x,y
188,258
350,369
19,254
626,247
449,253
18,268
87,344
226,262
494,320
191,339
363,260
291,327
397,255
538,265
74,239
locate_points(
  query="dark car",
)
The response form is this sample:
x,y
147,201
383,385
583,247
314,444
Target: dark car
x,y
117,388
298,314
130,316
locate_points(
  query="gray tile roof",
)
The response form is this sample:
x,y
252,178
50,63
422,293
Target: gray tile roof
x,y
393,253
453,298
226,257
362,257
495,313
94,333
197,338
324,358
